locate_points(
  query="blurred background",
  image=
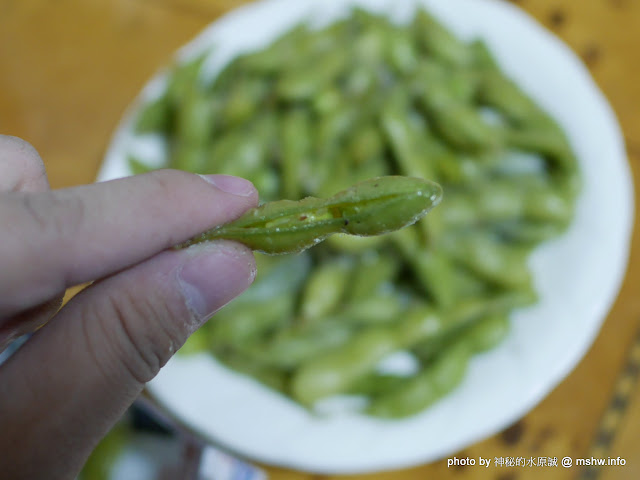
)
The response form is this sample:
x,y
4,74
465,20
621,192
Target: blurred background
x,y
69,69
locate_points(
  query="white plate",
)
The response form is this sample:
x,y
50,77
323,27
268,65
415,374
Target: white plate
x,y
578,275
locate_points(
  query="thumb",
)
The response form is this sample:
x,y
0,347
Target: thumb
x,y
93,359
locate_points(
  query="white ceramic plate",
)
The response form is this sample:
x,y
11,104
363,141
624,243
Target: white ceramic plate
x,y
578,275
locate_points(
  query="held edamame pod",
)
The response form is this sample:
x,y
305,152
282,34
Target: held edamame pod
x,y
373,207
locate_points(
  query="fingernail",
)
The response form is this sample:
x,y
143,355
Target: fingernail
x,y
230,184
213,275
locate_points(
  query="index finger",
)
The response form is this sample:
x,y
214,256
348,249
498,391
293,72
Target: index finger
x,y
53,240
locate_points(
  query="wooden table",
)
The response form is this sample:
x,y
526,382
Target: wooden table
x,y
68,69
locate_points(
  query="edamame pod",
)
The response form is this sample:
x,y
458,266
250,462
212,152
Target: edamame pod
x,y
383,308
373,271
488,332
372,207
324,289
439,41
416,393
137,166
432,270
296,150
156,116
504,201
501,93
310,78
405,142
296,345
246,321
459,124
271,59
456,322
336,371
499,263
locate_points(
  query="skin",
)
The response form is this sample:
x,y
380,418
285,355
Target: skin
x,y
63,390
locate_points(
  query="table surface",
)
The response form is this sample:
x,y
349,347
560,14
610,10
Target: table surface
x,y
69,68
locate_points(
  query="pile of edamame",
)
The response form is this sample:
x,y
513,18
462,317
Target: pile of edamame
x,y
321,109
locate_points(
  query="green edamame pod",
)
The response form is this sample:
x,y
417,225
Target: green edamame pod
x,y
342,242
547,139
439,84
499,263
284,48
335,371
365,144
338,370
431,268
401,52
434,271
332,172
383,308
293,346
374,167
247,154
324,289
373,271
459,169
303,82
245,321
457,321
440,42
185,77
543,138
328,100
377,384
296,149
156,116
137,166
268,303
414,394
529,233
196,117
277,275
503,201
458,123
404,139
265,374
501,93
488,332
418,323
482,56
189,158
373,207
243,100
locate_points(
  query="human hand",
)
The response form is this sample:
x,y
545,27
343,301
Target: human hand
x,y
74,378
